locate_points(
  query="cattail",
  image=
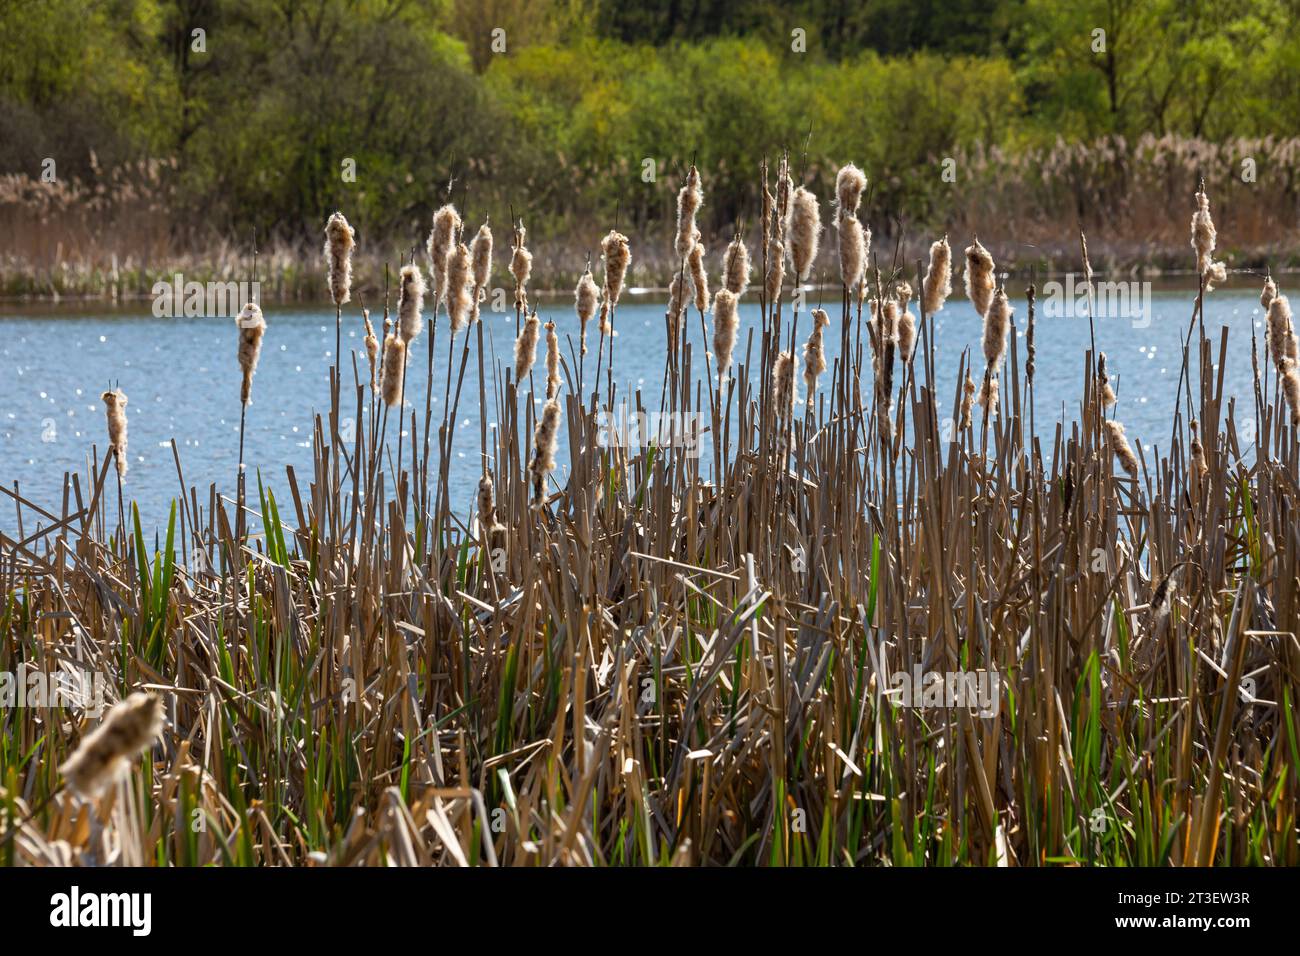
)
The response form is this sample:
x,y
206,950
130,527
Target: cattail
x,y
1198,466
526,347
853,250
394,369
805,232
1280,336
937,285
491,528
988,399
126,731
544,441
460,294
372,349
783,385
1119,445
1103,383
903,292
849,184
410,300
1269,294
587,300
617,254
967,399
1204,235
814,357
552,361
699,276
1215,275
676,305
979,277
997,322
480,253
906,332
521,266
1291,387
252,326
339,240
735,267
446,226
725,324
689,198
784,190
115,407
775,272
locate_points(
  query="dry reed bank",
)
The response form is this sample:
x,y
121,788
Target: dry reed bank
x,y
649,663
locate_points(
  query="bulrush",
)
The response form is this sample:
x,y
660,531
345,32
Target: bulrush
x,y
1204,239
689,198
126,731
783,386
725,324
521,266
490,528
372,350
1269,294
252,326
480,253
854,244
526,347
460,291
410,300
805,232
394,369
979,277
1104,391
617,254
849,184
814,355
967,400
544,441
997,322
446,226
736,267
775,271
937,285
340,238
676,305
988,398
699,276
115,408
1290,373
1123,451
586,299
906,323
1280,336
552,361
1197,465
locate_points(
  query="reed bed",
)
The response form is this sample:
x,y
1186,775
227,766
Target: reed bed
x,y
650,659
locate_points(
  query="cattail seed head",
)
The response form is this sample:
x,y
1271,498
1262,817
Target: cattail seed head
x,y
805,231
1280,335
988,399
410,300
252,326
689,198
544,444
526,347
1290,384
339,241
480,252
372,350
394,369
460,292
699,276
783,386
446,226
586,299
1119,445
552,361
736,267
617,254
126,731
906,332
115,408
967,400
1269,294
521,266
853,250
1105,392
849,184
725,324
1204,235
775,272
997,322
937,285
489,526
1197,464
814,355
979,277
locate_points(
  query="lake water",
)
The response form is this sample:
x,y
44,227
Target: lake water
x,y
182,380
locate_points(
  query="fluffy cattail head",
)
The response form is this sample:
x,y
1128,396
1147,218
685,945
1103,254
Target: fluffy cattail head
x,y
552,361
937,285
849,184
783,386
586,299
126,731
689,198
814,355
1269,294
699,276
489,526
526,347
775,272
906,333
544,443
446,226
252,326
1204,235
979,277
988,399
1280,337
853,250
997,321
460,291
805,231
521,266
1105,392
725,324
736,267
410,300
967,400
1290,384
1119,445
115,409
372,350
480,252
394,369
617,254
339,240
